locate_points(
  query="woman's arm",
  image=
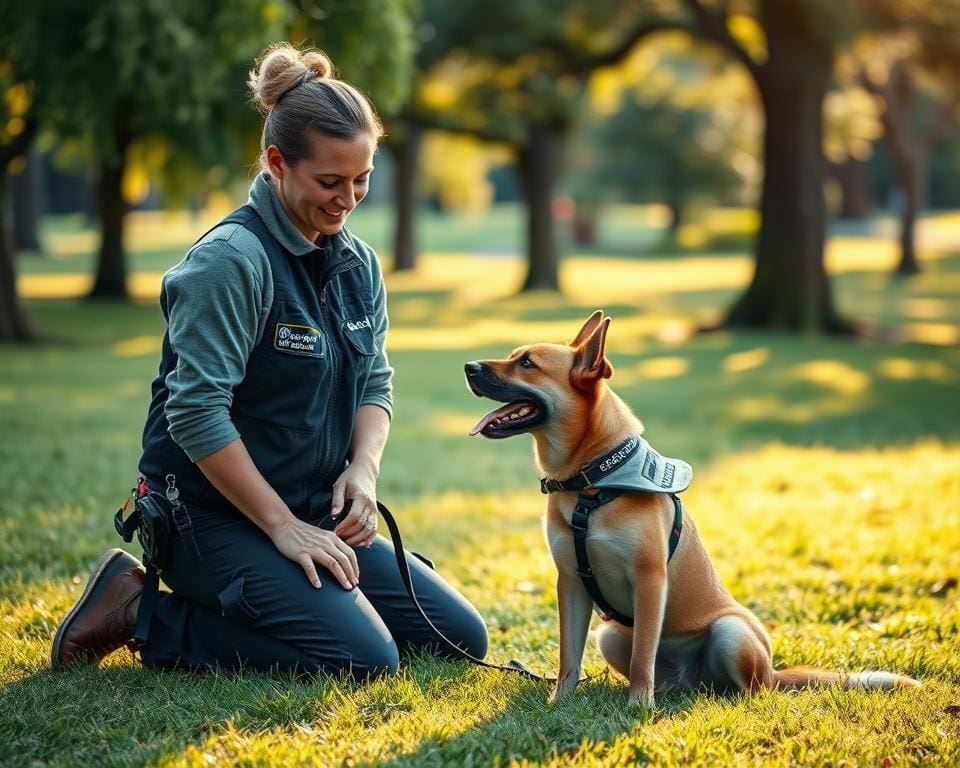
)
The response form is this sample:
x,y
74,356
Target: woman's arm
x,y
358,482
233,473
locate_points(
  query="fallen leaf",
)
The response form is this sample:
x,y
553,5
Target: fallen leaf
x,y
887,762
943,586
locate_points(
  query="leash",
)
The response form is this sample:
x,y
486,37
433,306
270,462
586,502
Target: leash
x,y
511,666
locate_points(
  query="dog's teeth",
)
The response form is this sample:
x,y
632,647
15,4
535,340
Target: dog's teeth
x,y
523,411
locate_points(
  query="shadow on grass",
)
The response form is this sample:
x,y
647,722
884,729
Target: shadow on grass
x,y
118,715
529,728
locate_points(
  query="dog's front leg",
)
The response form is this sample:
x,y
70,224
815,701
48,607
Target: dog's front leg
x,y
649,602
575,606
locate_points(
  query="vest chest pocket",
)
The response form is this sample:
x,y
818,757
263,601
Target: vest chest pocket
x,y
357,326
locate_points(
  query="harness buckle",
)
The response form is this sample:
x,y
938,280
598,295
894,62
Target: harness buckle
x,y
549,485
587,574
586,479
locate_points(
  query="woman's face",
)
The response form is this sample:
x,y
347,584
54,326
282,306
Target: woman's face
x,y
319,192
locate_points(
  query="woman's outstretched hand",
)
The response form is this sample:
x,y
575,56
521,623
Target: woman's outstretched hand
x,y
307,545
356,491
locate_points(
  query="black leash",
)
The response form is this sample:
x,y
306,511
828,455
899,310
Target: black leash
x,y
512,666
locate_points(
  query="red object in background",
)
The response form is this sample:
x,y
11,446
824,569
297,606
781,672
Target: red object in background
x,y
563,208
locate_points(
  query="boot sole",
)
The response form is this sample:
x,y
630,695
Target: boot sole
x,y
105,562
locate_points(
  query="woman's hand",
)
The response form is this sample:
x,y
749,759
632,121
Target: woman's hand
x,y
306,544
358,486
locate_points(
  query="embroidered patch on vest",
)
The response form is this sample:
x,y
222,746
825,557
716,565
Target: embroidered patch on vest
x,y
648,470
298,340
357,324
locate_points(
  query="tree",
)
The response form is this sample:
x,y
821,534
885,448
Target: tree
x,y
912,62
513,72
28,88
663,139
153,71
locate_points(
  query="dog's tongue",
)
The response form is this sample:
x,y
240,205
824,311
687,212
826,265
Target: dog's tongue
x,y
491,417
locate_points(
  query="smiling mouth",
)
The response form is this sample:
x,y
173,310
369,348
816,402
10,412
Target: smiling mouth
x,y
509,419
334,215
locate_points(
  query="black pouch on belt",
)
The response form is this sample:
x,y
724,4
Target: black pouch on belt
x,y
156,528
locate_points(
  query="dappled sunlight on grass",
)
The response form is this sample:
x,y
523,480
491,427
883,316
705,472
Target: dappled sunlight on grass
x,y
446,422
652,368
835,375
771,407
905,369
825,489
139,345
746,361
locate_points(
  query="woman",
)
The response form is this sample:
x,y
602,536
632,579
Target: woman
x,y
268,421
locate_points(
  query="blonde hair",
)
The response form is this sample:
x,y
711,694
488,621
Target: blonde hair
x,y
299,95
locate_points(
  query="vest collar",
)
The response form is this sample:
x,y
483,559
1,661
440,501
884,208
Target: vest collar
x,y
588,475
264,200
633,465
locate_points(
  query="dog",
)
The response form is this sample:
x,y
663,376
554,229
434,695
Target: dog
x,y
688,632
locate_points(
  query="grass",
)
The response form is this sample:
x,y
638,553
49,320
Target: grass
x,y
826,488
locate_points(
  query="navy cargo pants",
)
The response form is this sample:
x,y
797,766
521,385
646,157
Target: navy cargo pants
x,y
237,602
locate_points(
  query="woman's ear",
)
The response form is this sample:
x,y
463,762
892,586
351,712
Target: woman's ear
x,y
275,162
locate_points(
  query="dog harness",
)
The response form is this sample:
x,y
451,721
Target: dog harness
x,y
632,466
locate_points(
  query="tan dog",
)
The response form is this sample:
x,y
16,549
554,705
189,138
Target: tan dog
x,y
688,631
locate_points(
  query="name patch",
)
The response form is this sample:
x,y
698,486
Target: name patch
x,y
356,325
614,459
298,339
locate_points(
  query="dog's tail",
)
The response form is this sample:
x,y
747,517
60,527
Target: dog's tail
x,y
809,677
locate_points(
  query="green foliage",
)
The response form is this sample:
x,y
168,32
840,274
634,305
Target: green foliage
x,y
371,42
161,68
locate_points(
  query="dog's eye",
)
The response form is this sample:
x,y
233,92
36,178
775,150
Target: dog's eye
x,y
526,362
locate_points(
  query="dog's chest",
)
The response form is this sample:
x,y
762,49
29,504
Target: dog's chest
x,y
612,550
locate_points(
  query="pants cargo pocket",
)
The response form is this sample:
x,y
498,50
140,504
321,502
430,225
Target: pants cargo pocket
x,y
234,605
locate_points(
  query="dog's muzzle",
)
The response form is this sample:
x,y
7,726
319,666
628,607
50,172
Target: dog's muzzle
x,y
524,409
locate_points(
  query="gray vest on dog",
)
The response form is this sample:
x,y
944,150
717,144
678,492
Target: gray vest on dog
x,y
642,470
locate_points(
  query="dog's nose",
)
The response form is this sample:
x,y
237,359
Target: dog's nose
x,y
473,368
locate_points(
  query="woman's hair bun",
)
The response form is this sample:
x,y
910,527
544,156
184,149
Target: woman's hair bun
x,y
281,68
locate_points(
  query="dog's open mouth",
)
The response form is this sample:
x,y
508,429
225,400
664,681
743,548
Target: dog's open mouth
x,y
509,419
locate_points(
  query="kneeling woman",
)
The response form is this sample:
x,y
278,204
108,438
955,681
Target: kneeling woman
x,y
268,421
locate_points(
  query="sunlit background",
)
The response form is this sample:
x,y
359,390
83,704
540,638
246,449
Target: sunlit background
x,y
763,195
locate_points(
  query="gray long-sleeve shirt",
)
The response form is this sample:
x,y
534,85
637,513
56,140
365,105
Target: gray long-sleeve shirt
x,y
217,301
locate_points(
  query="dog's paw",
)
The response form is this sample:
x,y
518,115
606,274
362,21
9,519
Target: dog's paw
x,y
642,699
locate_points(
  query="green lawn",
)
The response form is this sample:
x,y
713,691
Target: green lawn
x,y
827,488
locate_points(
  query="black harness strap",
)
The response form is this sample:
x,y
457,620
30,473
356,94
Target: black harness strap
x,y
588,502
580,522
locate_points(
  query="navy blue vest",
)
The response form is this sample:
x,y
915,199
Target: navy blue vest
x,y
296,405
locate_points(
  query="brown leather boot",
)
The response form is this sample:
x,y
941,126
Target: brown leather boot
x,y
102,619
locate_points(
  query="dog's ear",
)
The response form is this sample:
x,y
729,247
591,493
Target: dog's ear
x,y
588,327
589,361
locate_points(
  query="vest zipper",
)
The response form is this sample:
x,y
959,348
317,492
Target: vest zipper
x,y
334,360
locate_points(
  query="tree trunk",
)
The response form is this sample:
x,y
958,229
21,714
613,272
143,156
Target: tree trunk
x,y
405,151
111,279
538,173
790,290
15,324
910,164
27,204
851,176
